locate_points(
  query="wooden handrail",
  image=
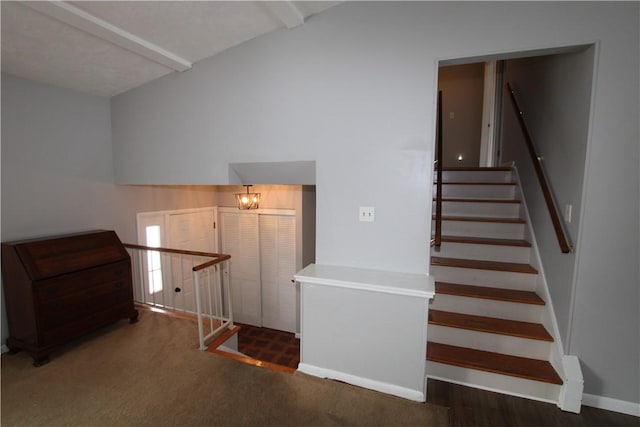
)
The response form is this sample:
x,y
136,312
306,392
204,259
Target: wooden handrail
x,y
544,184
438,237
218,258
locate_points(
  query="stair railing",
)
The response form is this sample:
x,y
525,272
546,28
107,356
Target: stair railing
x,y
563,241
157,271
437,240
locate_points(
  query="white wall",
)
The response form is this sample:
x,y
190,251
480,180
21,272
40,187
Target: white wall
x,y
554,92
462,89
57,168
292,96
354,90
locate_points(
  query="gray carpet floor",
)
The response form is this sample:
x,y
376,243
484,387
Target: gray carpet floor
x,y
152,374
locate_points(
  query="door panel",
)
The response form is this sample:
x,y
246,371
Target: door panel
x,y
278,265
189,231
240,239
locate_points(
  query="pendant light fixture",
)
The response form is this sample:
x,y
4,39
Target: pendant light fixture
x,y
248,200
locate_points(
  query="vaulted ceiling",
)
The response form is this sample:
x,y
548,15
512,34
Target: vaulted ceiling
x,y
108,47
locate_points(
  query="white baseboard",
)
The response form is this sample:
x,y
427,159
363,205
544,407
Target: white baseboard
x,y
615,405
474,384
407,393
4,348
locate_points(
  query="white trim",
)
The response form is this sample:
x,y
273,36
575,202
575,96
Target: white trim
x,y
542,285
615,405
407,393
227,209
487,129
5,349
408,284
573,388
176,211
78,18
491,389
567,366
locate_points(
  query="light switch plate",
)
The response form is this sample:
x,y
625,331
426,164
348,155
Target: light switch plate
x,y
367,213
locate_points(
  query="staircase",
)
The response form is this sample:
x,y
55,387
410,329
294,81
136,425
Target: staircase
x,y
485,323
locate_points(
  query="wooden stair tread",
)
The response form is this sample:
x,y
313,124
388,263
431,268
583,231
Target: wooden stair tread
x,y
486,241
223,337
485,292
482,219
470,200
476,169
475,183
483,265
521,367
492,325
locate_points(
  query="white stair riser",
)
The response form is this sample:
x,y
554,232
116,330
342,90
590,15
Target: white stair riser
x,y
487,307
496,230
475,176
483,252
495,343
497,279
483,209
502,192
535,390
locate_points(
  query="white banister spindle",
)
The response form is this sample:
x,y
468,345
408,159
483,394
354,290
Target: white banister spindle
x,y
199,312
226,279
209,296
209,299
152,278
219,295
138,273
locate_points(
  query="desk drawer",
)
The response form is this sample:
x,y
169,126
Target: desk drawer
x,y
57,312
90,323
82,281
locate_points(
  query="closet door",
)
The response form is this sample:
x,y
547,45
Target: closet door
x,y
278,265
240,239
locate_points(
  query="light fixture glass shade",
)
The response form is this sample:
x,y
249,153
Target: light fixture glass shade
x,y
248,200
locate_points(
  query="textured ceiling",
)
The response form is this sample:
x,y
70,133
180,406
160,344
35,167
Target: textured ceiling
x,y
37,46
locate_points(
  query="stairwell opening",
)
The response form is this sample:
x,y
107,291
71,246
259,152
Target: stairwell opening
x,y
499,252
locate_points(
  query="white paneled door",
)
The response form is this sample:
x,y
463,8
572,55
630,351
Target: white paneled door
x,y
277,267
193,231
263,261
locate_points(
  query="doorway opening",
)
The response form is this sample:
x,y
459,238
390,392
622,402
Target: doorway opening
x,y
553,89
267,247
473,96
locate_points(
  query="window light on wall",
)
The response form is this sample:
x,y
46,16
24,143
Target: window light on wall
x,y
154,264
248,200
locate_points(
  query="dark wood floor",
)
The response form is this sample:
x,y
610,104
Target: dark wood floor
x,y
472,407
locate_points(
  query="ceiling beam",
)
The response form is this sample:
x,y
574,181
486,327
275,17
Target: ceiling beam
x,y
286,12
102,29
